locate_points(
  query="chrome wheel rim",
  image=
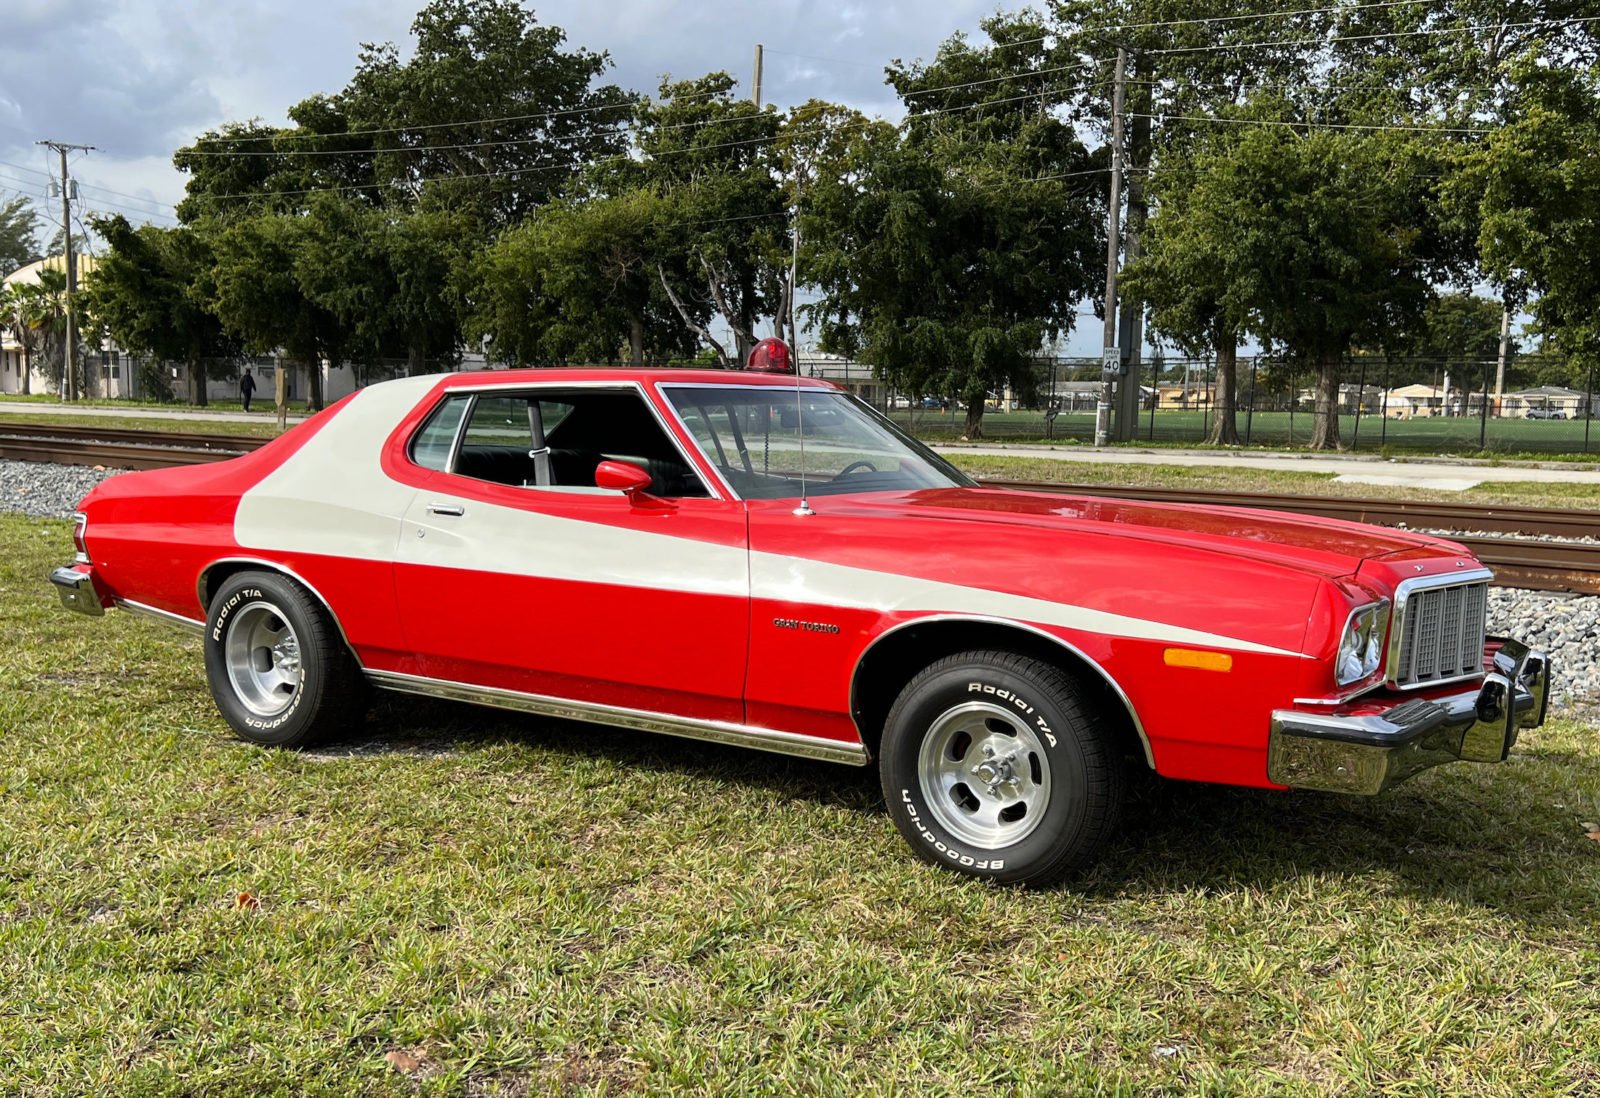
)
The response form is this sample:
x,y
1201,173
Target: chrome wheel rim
x,y
984,775
262,655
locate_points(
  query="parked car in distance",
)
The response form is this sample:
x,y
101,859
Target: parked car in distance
x,y
669,551
932,402
1544,413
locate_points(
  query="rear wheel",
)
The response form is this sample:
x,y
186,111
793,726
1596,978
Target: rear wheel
x,y
993,766
279,670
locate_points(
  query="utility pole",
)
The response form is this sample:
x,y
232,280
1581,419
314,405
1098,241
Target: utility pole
x,y
71,260
1110,364
1505,353
1130,333
755,85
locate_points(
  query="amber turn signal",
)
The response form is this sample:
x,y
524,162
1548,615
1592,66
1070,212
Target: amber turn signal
x,y
1205,661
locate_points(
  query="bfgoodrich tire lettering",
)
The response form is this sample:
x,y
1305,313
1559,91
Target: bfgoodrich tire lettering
x,y
993,766
279,671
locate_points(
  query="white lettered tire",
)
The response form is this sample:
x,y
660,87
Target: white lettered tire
x,y
992,766
278,669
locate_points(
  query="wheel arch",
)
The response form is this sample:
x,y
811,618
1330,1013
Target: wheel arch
x,y
215,574
897,654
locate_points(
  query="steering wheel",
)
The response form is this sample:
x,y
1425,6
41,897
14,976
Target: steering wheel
x,y
853,466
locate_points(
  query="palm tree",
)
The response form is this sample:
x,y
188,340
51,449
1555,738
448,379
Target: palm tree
x,y
17,318
42,319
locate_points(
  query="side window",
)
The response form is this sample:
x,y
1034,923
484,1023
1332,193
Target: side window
x,y
550,438
430,447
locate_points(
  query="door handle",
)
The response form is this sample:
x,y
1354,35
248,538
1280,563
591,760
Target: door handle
x,y
453,509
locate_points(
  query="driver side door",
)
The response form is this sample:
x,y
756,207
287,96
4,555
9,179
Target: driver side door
x,y
562,590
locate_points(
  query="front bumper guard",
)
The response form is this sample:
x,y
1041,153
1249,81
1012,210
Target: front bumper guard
x,y
1368,752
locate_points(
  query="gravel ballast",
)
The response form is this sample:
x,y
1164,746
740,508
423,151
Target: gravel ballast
x,y
45,490
1566,626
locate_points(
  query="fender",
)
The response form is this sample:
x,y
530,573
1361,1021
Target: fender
x,y
1073,650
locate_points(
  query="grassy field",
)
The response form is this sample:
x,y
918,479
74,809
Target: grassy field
x,y
453,901
1509,438
247,428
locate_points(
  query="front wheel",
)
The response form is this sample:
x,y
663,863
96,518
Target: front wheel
x,y
993,766
279,670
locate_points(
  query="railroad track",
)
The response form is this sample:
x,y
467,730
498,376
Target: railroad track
x,y
118,448
1518,561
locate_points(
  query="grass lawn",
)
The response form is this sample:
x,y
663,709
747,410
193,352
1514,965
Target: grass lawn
x,y
1223,478
1506,438
514,906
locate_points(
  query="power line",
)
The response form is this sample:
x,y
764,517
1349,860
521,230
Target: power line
x,y
617,131
1386,128
573,166
1321,41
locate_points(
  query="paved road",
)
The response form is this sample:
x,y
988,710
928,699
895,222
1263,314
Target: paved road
x,y
34,407
1436,473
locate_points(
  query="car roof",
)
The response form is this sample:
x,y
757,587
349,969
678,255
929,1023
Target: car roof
x,y
556,375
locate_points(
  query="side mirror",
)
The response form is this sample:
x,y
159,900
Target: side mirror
x,y
630,480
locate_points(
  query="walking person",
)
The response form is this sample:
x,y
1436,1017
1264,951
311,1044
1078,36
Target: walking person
x,y
247,388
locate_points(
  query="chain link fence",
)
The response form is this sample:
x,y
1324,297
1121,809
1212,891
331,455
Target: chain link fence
x,y
1398,404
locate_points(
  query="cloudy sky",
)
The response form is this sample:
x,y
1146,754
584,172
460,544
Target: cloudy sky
x,y
138,78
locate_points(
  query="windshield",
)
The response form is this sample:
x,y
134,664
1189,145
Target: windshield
x,y
753,436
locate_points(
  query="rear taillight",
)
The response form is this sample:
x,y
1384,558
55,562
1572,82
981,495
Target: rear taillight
x,y
80,523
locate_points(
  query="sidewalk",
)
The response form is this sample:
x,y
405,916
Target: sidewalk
x,y
32,407
1420,472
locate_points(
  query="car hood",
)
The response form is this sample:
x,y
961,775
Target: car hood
x,y
1321,546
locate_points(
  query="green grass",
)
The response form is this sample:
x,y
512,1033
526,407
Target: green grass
x,y
1222,478
1515,439
529,907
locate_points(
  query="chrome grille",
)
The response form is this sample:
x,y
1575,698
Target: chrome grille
x,y
1441,633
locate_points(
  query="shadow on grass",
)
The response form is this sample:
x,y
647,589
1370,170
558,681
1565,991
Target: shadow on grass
x,y
1464,833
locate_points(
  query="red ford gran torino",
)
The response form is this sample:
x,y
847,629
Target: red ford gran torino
x,y
763,560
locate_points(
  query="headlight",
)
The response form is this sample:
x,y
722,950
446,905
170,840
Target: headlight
x,y
1361,647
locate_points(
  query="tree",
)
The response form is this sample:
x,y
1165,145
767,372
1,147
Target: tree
x,y
151,291
1459,329
707,154
14,318
1340,242
259,294
1201,286
579,281
40,307
947,253
1533,189
19,235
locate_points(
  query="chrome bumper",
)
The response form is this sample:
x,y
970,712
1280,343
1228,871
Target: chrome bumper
x,y
1367,751
77,591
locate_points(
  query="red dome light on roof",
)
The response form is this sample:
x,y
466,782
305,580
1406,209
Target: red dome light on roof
x,y
770,356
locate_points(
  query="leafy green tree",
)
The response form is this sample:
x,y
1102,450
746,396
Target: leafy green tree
x,y
263,265
948,252
152,292
1340,242
16,318
579,281
19,235
721,244
40,308
1533,188
1200,280
1459,329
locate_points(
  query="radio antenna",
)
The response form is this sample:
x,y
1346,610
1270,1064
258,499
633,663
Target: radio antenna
x,y
794,350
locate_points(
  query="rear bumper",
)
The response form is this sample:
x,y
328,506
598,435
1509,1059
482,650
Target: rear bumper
x,y
76,587
1371,747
